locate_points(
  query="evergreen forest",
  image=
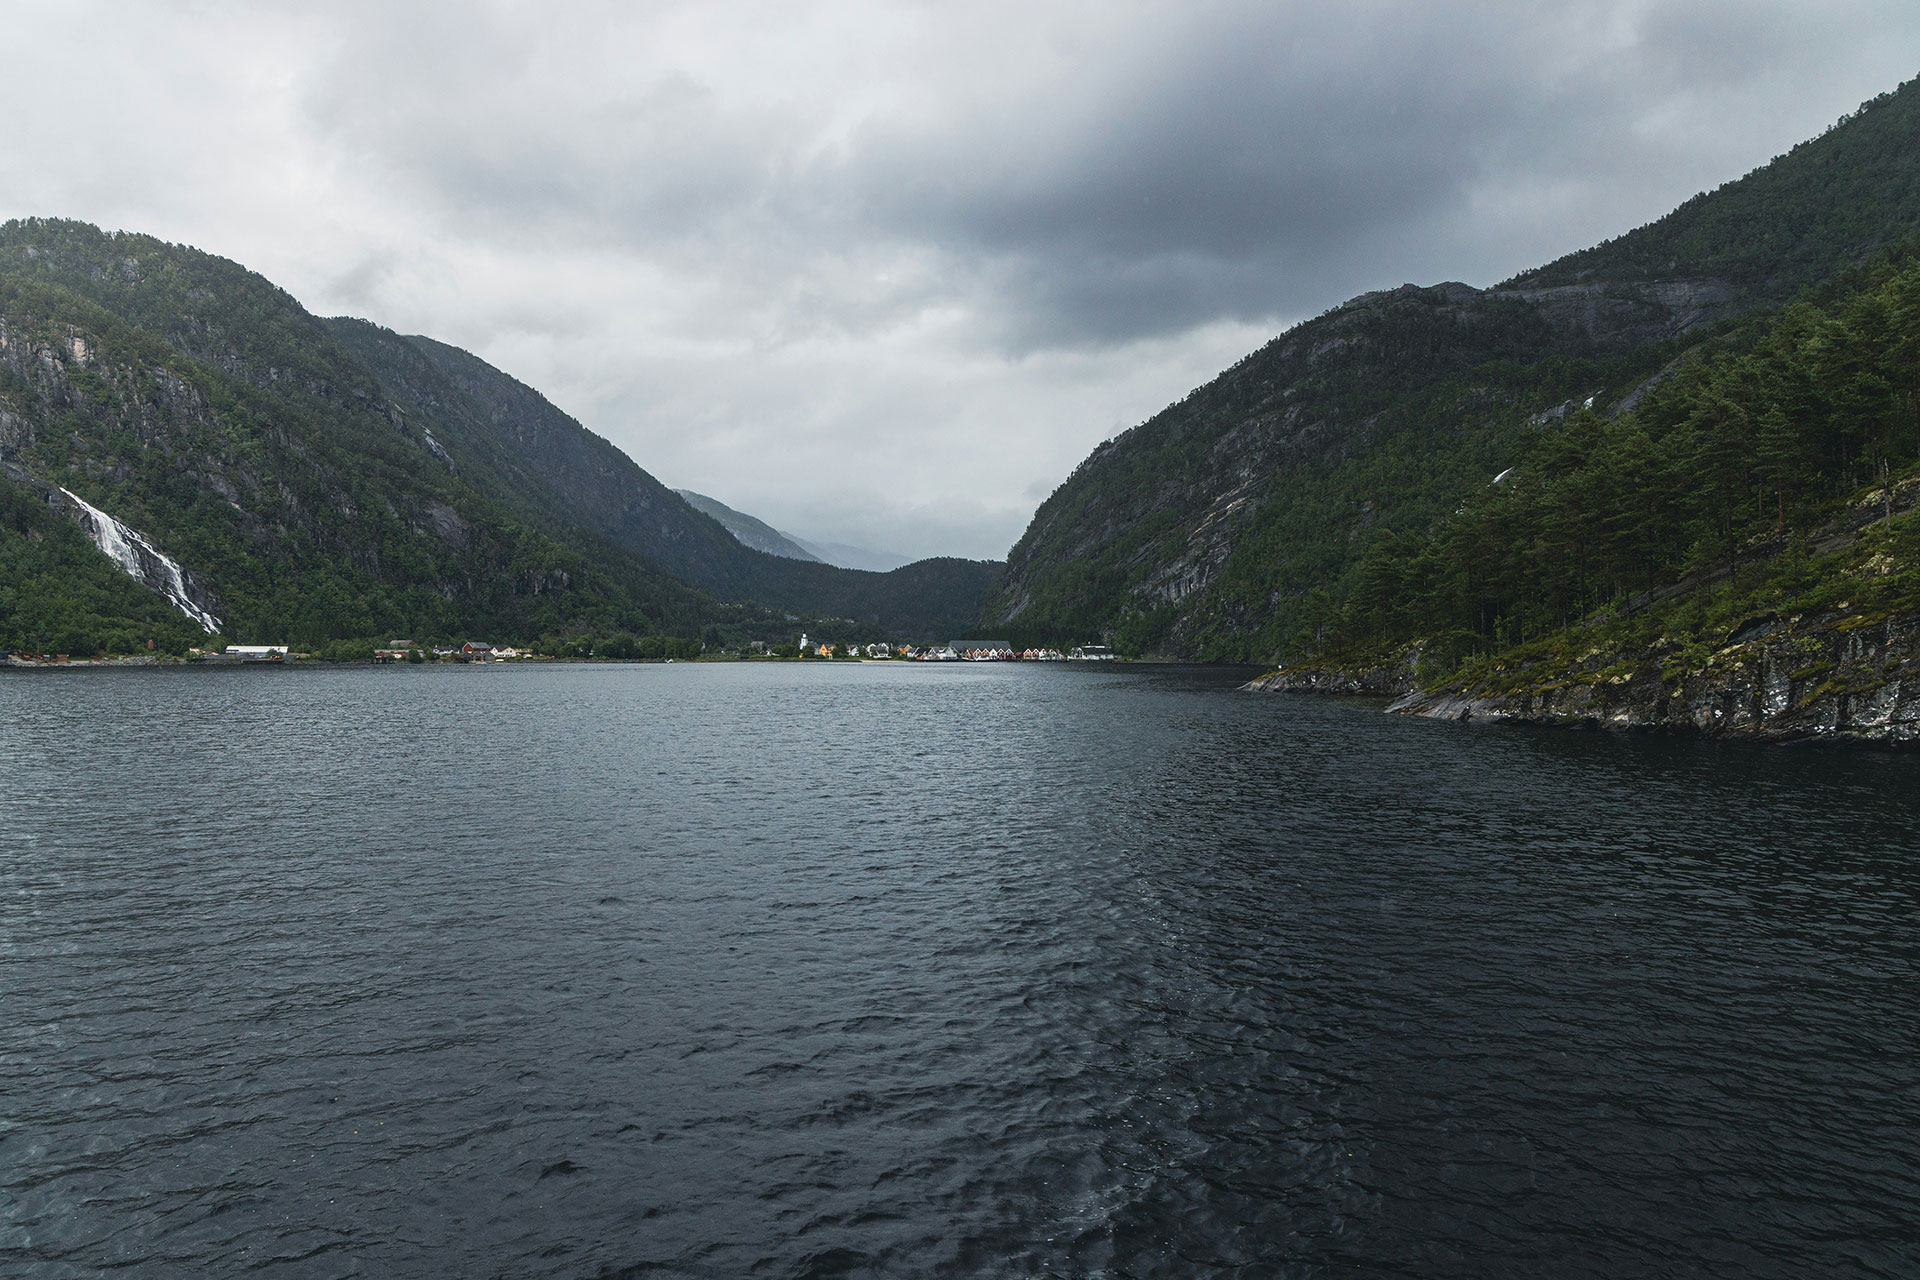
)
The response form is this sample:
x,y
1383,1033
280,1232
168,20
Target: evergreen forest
x,y
1772,469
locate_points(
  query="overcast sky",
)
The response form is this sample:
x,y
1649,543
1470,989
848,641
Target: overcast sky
x,y
884,274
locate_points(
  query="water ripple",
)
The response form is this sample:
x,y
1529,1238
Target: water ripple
x,y
794,971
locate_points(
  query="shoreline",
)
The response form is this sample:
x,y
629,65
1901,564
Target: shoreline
x,y
1834,678
221,661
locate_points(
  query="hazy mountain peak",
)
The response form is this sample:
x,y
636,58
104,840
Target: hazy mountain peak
x,y
852,557
750,531
761,536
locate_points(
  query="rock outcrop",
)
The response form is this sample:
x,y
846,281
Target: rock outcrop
x,y
1384,680
1837,677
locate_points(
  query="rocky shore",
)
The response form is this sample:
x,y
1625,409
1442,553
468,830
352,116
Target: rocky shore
x,y
131,660
1386,680
1838,677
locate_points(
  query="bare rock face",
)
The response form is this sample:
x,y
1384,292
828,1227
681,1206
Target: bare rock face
x,y
1839,677
1619,316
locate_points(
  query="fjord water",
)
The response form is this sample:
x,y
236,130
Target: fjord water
x,y
817,970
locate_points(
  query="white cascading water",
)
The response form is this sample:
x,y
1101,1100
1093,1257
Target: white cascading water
x,y
143,561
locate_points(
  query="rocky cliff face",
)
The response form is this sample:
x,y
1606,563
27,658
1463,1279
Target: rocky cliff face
x,y
535,452
1383,680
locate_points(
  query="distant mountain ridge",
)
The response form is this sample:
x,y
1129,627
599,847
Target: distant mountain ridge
x,y
1233,524
750,531
761,536
848,556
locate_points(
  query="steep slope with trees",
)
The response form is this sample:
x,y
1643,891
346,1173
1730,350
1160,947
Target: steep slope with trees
x,y
1737,555
530,451
307,509
1235,524
326,479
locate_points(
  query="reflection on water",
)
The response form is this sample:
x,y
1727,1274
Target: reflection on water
x,y
831,970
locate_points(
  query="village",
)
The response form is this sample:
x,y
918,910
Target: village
x,y
805,648
617,649
952,651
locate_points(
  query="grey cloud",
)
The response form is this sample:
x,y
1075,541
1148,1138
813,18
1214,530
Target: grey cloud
x,y
1247,176
1236,145
490,124
361,282
1235,161
1267,162
1250,143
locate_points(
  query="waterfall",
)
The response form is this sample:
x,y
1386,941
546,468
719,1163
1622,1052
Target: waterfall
x,y
144,562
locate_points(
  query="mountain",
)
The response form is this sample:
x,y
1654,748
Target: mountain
x,y
751,532
762,536
527,448
852,557
1235,523
313,479
1737,555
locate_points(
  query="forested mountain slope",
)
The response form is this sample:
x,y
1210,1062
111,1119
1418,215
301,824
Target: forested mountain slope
x,y
322,479
525,446
1738,555
1234,523
1754,440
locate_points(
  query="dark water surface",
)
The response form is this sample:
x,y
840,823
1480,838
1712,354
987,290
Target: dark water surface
x,y
809,970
